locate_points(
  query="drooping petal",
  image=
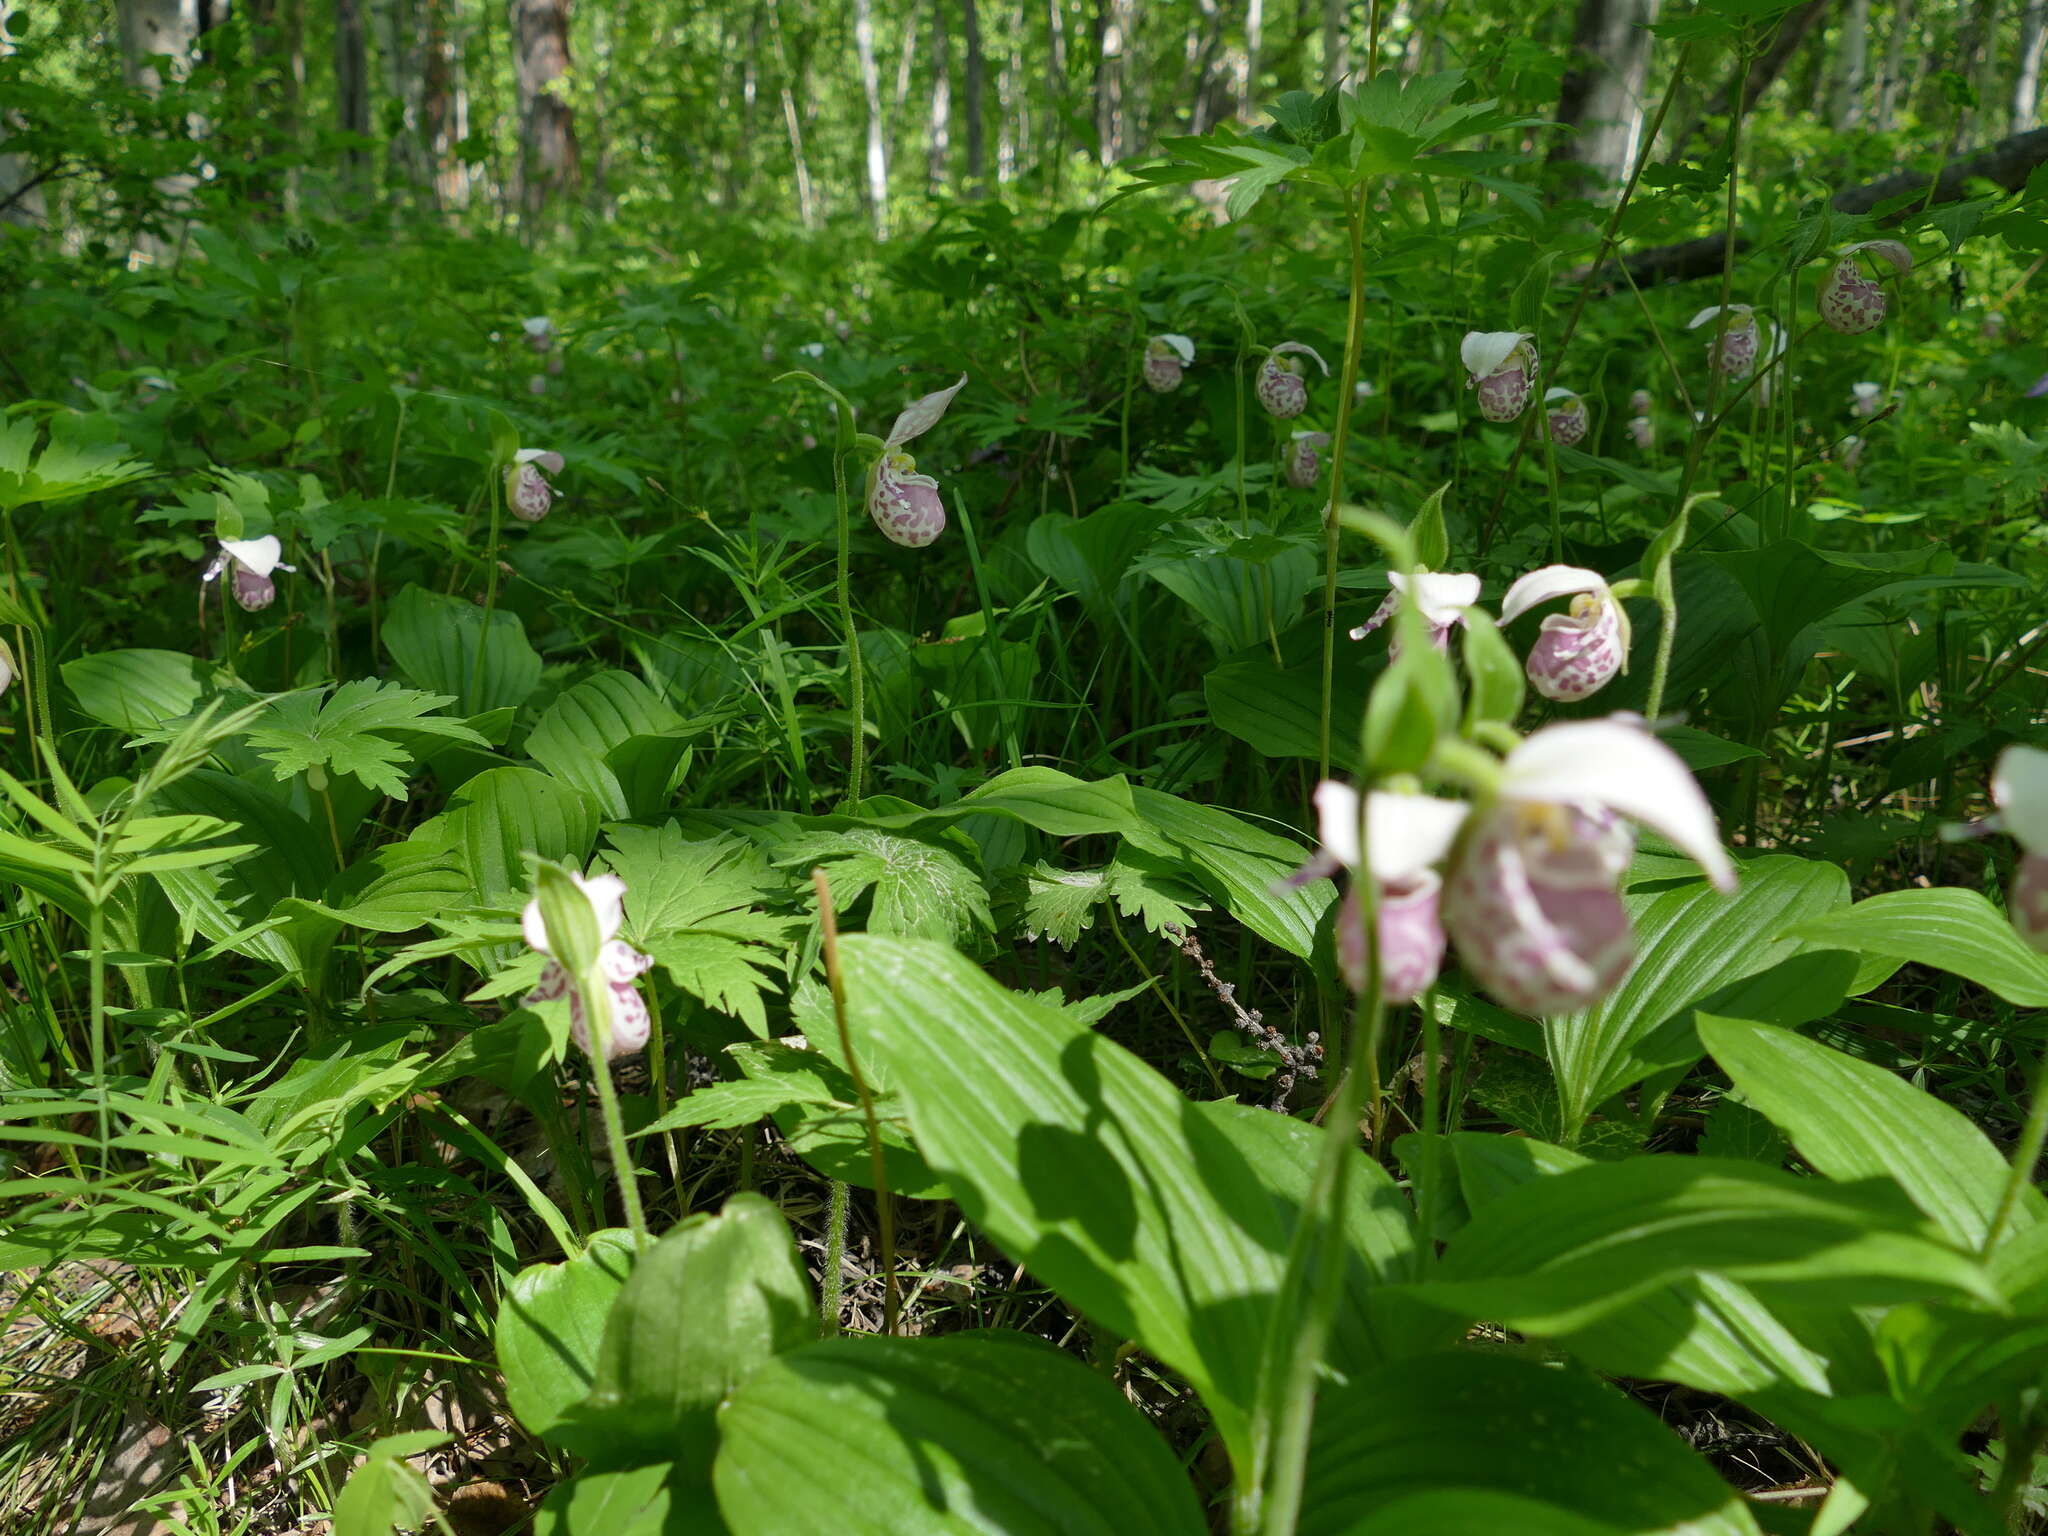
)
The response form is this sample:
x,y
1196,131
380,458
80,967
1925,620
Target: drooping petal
x,y
1443,596
2019,788
546,458
1178,344
1306,350
1625,768
257,556
606,895
1545,583
920,416
1485,353
1892,252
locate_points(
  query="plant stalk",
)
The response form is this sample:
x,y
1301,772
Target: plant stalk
x,y
1354,344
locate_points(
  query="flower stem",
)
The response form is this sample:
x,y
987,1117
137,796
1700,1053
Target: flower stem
x,y
1354,344
828,923
856,679
596,992
476,671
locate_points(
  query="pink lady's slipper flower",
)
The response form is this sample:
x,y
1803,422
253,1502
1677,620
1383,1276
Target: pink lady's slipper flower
x,y
1642,432
1852,451
1577,652
1993,327
1305,458
619,961
2019,788
904,504
1165,358
1501,366
1443,597
1406,835
1281,388
1851,303
1533,901
1732,352
1640,403
1866,397
527,490
540,332
249,563
1566,414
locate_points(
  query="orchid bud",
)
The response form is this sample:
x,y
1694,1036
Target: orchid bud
x,y
1642,432
1732,352
1281,388
1852,303
1304,458
527,490
1501,366
1640,403
1577,653
1566,414
1165,358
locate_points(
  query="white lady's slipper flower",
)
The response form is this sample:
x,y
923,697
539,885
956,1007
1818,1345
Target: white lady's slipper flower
x,y
1501,366
1443,597
1993,327
1639,403
1732,352
540,332
1578,652
905,505
1565,413
1852,303
1165,358
249,563
1852,451
1642,432
1281,388
2019,788
812,349
1363,391
527,490
1534,899
1304,461
1406,835
1866,397
619,962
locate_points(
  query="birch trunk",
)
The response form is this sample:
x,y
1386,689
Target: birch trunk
x,y
938,138
2026,80
1885,114
1602,93
547,123
871,88
1852,66
974,79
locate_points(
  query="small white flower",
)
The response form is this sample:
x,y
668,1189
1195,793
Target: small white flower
x,y
1442,596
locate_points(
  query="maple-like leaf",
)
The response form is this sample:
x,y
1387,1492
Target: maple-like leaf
x,y
358,730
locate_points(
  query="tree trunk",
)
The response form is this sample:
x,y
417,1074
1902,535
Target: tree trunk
x,y
792,118
1336,41
547,124
871,88
441,107
1013,122
152,28
1884,117
973,80
352,94
1852,67
938,138
21,193
1254,45
2026,81
1112,78
906,63
396,28
1602,93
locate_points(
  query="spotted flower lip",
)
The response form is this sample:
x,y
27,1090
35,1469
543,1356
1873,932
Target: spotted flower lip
x,y
1733,349
1579,652
1166,357
527,489
1501,368
1280,387
1442,596
1565,412
905,505
618,964
1408,836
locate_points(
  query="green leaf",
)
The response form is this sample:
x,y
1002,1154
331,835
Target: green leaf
x,y
353,732
922,888
938,1437
1562,1252
1165,1231
134,690
723,1106
612,737
387,1492
1243,867
1426,529
1694,944
1946,928
437,639
1468,1423
1851,1120
705,1308
495,819
640,1501
549,1327
1277,711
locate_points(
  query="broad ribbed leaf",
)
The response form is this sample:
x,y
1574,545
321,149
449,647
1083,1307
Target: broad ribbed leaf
x,y
1491,1424
1694,945
1562,1252
1853,1120
436,639
1086,1165
1947,928
1278,713
1468,1511
502,814
971,1433
1244,867
550,1325
134,690
612,737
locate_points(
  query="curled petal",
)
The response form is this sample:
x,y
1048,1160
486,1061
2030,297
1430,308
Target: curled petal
x,y
259,557
1892,252
2019,788
546,458
1406,833
1485,353
1541,585
1443,596
1178,345
1626,769
922,415
1306,350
